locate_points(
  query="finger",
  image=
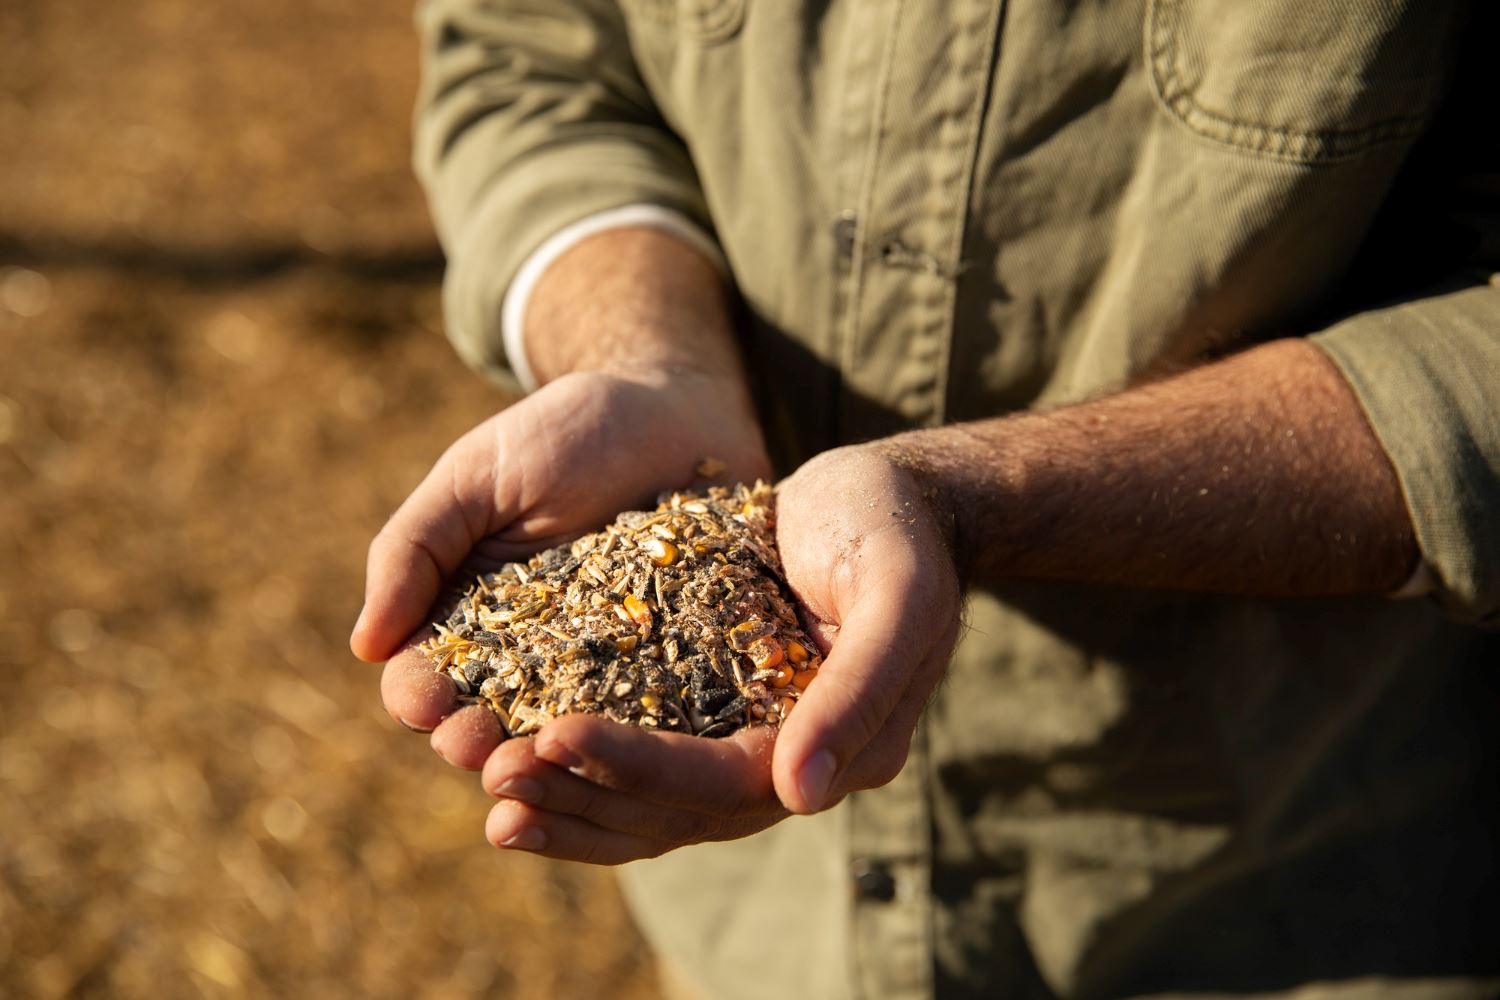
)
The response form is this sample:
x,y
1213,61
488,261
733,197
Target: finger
x,y
414,694
514,771
465,738
885,755
859,685
424,541
728,777
520,827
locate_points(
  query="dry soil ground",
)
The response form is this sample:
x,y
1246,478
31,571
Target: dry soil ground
x,y
221,366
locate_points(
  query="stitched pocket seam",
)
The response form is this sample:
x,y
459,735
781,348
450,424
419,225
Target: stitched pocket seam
x,y
706,21
1175,97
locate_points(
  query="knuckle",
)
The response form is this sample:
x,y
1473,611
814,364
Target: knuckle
x,y
867,717
668,827
704,829
592,804
673,827
385,539
589,852
720,800
598,850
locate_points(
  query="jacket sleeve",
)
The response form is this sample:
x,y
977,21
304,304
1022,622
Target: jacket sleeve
x,y
1427,373
1426,368
531,116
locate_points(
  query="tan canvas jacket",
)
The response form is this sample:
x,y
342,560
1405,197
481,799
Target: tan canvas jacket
x,y
938,210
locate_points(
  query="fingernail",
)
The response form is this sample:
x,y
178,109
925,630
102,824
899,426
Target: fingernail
x,y
554,752
816,778
413,726
520,789
528,838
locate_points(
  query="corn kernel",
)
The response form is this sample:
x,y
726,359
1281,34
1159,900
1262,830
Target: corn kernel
x,y
783,676
802,678
796,652
638,610
650,701
661,551
766,653
743,634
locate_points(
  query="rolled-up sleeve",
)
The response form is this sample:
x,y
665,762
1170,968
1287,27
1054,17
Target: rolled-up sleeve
x,y
1427,373
532,116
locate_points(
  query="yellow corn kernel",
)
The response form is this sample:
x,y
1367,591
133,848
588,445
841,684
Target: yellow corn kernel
x,y
783,676
638,610
650,701
796,652
766,653
742,631
802,678
661,551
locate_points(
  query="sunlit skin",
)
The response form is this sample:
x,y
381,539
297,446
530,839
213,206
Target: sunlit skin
x,y
1255,475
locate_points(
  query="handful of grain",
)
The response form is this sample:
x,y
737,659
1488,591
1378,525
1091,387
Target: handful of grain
x,y
677,619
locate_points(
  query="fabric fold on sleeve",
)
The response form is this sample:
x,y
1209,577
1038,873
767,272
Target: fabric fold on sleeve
x,y
532,116
1427,373
549,192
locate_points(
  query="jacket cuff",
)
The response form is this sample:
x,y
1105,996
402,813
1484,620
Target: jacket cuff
x,y
1427,374
518,294
549,191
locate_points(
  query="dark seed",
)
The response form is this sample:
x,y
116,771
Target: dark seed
x,y
718,729
733,708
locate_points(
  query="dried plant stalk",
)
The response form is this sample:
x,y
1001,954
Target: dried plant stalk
x,y
677,619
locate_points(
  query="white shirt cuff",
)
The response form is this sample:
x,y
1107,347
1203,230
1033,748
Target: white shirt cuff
x,y
518,295
1421,584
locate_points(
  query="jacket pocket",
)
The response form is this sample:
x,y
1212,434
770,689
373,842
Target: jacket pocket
x,y
698,20
1301,80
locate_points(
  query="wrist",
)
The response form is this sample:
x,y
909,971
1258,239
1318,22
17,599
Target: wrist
x,y
635,302
971,483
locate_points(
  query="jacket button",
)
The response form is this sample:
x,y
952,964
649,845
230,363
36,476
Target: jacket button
x,y
873,881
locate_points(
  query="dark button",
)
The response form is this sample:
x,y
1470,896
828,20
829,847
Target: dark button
x,y
873,881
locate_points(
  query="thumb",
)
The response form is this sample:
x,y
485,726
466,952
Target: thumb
x,y
859,685
424,542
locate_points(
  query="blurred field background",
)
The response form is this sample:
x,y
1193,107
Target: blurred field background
x,y
221,366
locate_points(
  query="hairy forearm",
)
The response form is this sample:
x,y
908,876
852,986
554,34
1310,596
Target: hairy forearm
x,y
632,301
1254,475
